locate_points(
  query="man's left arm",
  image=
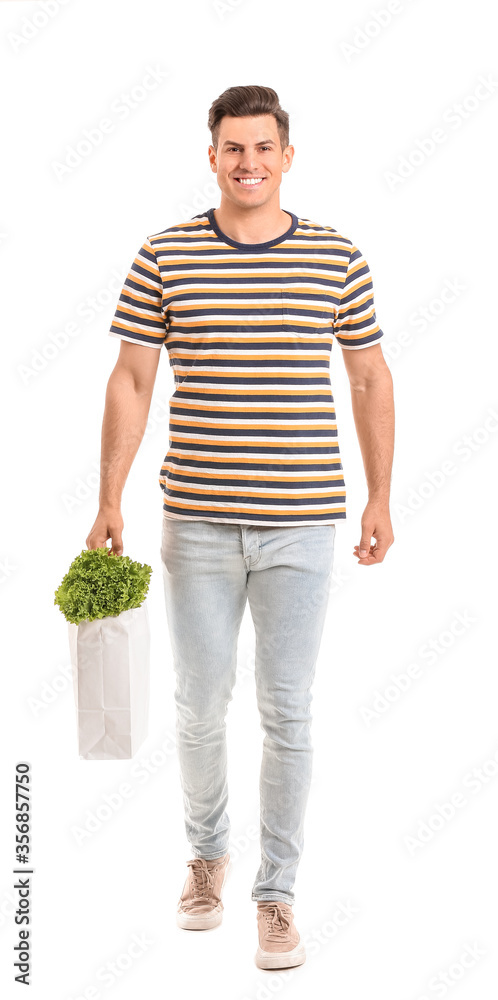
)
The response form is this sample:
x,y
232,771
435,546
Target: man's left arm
x,y
373,411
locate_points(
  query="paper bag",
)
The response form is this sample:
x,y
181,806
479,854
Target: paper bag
x,y
110,658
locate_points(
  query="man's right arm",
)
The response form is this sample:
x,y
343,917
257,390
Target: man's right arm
x,y
127,404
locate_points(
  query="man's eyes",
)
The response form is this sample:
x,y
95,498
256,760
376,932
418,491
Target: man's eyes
x,y
230,148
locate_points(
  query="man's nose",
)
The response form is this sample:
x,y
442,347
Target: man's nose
x,y
249,162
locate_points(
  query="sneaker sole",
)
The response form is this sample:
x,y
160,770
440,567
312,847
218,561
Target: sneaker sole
x,y
280,960
203,921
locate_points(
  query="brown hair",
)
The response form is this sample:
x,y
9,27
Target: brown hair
x,y
241,102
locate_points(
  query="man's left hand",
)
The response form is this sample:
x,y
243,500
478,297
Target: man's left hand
x,y
376,522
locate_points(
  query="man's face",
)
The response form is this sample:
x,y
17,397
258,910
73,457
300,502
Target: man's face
x,y
249,148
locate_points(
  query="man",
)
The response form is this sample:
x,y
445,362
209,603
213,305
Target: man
x,y
247,299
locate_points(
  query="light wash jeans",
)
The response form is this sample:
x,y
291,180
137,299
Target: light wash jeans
x,y
209,570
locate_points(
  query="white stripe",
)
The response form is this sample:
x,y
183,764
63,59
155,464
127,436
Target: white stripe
x,y
276,508
132,340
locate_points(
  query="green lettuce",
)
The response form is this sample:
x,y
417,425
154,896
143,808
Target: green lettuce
x,y
99,584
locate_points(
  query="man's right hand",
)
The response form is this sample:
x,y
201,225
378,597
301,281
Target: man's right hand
x,y
108,524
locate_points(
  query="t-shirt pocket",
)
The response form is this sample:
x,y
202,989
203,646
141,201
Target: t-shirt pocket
x,y
305,311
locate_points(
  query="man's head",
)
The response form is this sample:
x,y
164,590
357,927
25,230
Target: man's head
x,y
250,134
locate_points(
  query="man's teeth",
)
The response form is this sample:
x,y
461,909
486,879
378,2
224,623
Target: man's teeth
x,y
254,180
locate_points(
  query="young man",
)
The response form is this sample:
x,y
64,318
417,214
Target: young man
x,y
247,299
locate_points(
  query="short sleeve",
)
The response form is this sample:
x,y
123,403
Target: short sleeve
x,y
139,317
356,325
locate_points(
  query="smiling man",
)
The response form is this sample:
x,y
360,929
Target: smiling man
x,y
249,175
248,299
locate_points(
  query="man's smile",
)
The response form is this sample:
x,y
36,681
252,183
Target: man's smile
x,y
249,181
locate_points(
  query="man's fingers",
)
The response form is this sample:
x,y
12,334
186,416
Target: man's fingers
x,y
374,555
117,545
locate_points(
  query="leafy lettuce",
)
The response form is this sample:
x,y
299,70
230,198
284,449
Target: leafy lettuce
x,y
99,584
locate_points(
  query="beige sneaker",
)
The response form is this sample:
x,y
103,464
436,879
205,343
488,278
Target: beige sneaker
x,y
280,946
200,905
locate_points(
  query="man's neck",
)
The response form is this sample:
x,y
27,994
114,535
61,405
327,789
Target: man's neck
x,y
252,225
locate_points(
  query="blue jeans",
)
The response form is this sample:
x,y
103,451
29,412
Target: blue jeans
x,y
209,571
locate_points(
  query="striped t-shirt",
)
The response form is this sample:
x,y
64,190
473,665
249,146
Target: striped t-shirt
x,y
249,329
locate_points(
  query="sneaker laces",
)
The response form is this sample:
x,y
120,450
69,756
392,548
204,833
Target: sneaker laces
x,y
277,921
202,880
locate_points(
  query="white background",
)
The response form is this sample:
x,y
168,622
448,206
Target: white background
x,y
67,240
